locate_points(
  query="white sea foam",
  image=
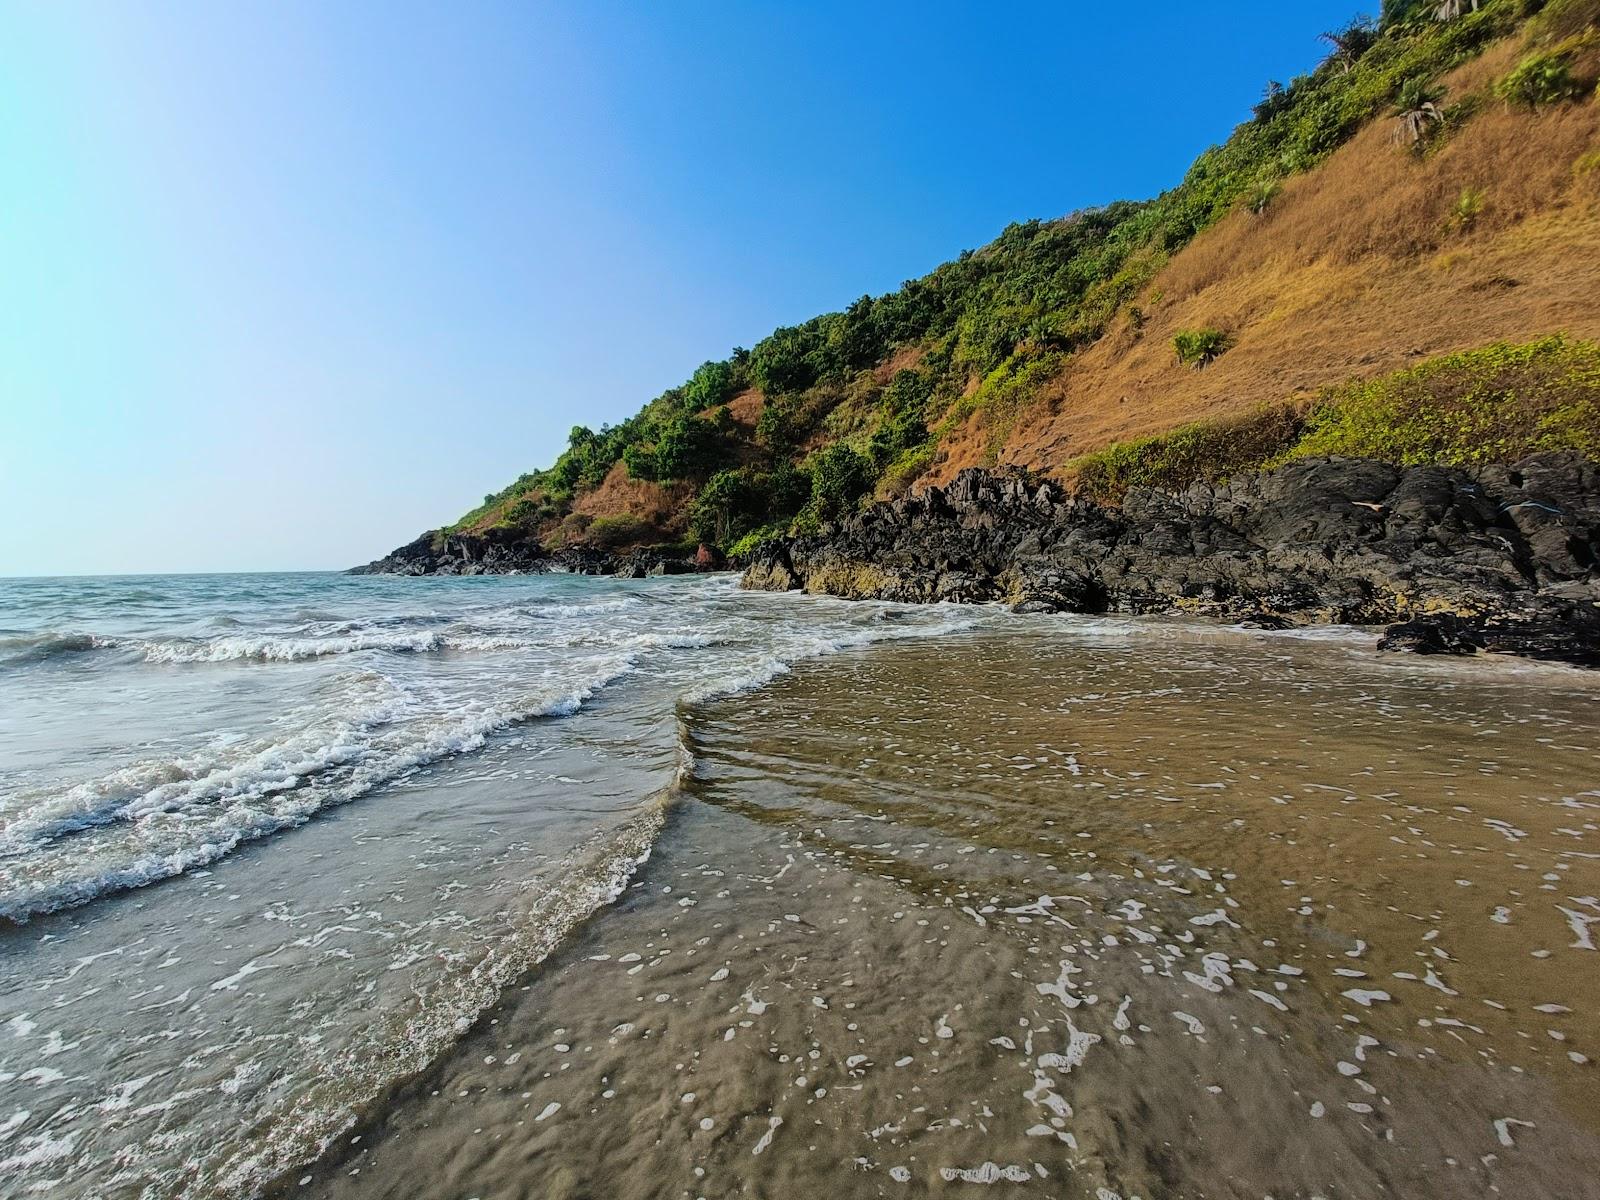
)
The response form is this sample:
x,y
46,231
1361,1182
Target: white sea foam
x,y
376,695
762,668
186,813
269,648
588,879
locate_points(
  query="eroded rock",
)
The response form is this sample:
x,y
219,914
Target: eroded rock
x,y
1498,559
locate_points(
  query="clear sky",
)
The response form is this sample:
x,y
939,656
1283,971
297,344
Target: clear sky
x,y
283,284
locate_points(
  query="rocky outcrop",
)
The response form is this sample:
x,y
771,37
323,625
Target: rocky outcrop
x,y
495,552
514,552
1497,558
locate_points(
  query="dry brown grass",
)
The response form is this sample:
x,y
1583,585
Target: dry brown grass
x,y
746,408
1355,269
906,358
662,506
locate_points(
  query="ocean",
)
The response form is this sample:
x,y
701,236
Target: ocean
x,y
544,886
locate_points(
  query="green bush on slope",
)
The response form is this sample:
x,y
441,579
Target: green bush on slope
x,y
1496,404
1205,450
1499,403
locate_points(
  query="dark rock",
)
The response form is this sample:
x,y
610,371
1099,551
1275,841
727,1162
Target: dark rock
x,y
1268,620
494,552
1432,635
1508,553
516,552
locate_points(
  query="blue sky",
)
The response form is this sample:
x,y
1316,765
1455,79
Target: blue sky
x,y
284,284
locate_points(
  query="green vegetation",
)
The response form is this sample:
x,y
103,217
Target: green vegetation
x,y
1206,450
612,533
1550,76
1200,347
735,502
1467,208
1499,403
988,332
1418,110
1260,197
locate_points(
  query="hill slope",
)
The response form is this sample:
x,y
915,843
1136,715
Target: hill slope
x,y
1433,187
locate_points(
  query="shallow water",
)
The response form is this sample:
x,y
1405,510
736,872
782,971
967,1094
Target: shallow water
x,y
269,844
1098,909
907,901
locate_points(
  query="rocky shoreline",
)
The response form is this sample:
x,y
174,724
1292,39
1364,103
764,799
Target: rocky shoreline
x,y
1498,558
514,552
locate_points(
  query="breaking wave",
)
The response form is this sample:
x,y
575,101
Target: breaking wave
x,y
26,649
379,698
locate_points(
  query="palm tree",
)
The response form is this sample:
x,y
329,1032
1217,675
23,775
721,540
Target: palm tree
x,y
1417,108
1351,42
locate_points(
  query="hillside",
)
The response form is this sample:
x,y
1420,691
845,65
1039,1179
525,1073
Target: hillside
x,y
1431,190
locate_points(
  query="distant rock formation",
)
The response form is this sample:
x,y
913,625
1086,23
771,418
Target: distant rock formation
x,y
513,552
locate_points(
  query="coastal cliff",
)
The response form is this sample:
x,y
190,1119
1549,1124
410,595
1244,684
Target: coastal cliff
x,y
1499,558
1393,258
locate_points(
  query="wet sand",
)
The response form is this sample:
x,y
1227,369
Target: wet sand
x,y
1148,912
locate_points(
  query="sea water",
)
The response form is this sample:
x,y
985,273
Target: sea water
x,y
563,887
270,842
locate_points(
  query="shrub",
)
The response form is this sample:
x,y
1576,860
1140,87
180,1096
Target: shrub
x,y
905,470
1205,450
1260,197
528,509
750,541
1006,390
1467,208
902,423
1542,79
612,533
1558,20
1495,404
1201,347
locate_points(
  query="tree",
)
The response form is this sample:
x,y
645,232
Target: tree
x,y
787,487
1351,42
778,427
1417,109
686,448
839,477
901,424
641,462
729,506
710,385
1275,99
784,362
